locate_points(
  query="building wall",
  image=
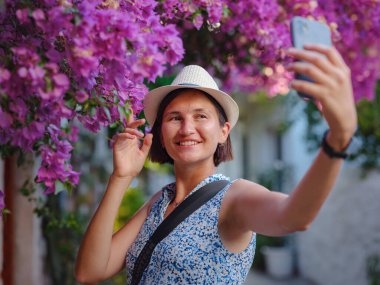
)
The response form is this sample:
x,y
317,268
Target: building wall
x,y
335,248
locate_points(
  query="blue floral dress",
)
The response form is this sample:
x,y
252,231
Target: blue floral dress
x,y
192,253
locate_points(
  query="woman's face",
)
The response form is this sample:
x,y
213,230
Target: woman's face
x,y
190,130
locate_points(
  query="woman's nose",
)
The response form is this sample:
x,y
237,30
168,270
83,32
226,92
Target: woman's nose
x,y
187,127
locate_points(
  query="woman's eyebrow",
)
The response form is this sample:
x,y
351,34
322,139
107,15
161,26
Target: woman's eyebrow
x,y
202,110
171,113
193,111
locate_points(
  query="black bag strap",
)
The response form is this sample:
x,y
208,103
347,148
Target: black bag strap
x,y
185,209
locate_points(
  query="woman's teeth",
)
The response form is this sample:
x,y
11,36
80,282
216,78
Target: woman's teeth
x,y
186,143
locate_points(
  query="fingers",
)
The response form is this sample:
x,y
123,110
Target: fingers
x,y
330,63
130,117
147,143
325,66
311,71
132,123
311,57
316,90
136,123
128,134
133,132
330,52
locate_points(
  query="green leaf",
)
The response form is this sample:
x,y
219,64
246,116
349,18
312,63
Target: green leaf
x,y
69,187
5,212
20,158
124,113
49,84
59,187
93,111
108,114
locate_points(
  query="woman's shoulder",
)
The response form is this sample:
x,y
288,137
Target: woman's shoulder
x,y
154,199
242,189
246,185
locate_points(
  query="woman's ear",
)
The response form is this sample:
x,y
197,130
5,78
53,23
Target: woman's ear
x,y
225,131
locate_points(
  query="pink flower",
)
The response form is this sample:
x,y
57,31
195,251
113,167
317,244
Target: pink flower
x,y
81,96
22,16
66,53
61,80
38,15
4,75
2,204
198,21
6,119
22,72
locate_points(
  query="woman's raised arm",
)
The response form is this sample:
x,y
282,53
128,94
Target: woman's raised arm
x,y
102,253
253,207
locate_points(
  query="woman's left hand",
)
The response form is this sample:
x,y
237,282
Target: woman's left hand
x,y
332,89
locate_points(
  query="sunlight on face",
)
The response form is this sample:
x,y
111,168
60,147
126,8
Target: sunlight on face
x,y
190,128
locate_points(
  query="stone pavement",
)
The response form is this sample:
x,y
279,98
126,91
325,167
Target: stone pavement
x,y
258,278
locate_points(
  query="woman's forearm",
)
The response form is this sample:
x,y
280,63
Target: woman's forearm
x,y
95,249
304,203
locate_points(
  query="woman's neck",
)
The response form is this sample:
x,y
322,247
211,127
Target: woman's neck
x,y
188,177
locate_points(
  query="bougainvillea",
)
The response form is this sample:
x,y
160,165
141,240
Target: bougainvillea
x,y
244,41
87,61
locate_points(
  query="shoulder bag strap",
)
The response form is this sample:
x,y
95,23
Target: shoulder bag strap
x,y
185,209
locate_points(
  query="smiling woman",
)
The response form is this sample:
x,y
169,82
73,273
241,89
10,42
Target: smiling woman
x,y
200,116
214,243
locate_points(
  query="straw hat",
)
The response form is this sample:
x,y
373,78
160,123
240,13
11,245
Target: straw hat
x,y
195,77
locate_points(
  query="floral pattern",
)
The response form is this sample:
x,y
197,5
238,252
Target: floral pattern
x,y
192,253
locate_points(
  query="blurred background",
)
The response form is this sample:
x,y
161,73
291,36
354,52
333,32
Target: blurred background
x,y
57,123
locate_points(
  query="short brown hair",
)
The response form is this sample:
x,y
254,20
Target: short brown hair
x,y
158,153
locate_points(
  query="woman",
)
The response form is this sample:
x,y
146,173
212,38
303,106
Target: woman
x,y
191,122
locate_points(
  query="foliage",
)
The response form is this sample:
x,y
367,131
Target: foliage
x,y
369,132
65,216
373,269
261,242
86,61
62,232
132,201
367,150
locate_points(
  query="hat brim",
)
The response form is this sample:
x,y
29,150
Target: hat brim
x,y
153,99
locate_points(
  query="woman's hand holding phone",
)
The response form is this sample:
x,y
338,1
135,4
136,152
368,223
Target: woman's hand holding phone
x,y
331,88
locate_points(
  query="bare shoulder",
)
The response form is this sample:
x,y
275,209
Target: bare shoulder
x,y
242,187
241,192
247,185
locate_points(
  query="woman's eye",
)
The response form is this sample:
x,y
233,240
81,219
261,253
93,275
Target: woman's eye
x,y
176,118
201,116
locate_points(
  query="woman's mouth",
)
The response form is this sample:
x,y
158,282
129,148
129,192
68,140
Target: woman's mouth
x,y
187,143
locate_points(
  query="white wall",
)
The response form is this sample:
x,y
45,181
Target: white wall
x,y
334,249
347,230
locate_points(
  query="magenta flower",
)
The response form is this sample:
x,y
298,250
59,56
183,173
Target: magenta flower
x,y
65,61
5,119
2,203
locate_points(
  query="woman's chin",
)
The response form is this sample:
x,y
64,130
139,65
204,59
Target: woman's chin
x,y
191,160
